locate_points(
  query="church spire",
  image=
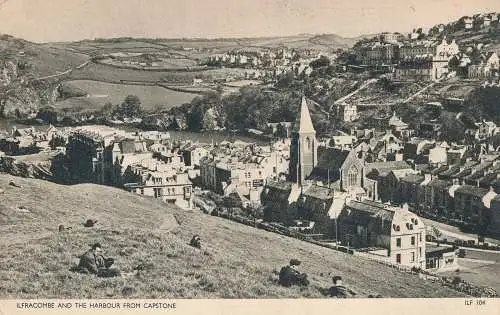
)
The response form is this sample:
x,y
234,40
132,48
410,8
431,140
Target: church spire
x,y
303,123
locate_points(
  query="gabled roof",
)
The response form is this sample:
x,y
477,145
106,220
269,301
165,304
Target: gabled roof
x,y
413,178
463,173
472,191
488,179
366,212
280,185
389,166
452,170
331,158
439,170
319,192
439,183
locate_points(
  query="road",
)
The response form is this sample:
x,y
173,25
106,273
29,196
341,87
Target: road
x,y
455,232
346,97
62,73
422,90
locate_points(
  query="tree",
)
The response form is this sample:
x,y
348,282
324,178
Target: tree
x,y
131,107
321,62
285,80
48,115
57,141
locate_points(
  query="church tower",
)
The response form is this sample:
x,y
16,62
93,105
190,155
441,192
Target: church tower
x,y
304,147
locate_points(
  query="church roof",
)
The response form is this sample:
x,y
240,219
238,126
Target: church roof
x,y
303,123
331,158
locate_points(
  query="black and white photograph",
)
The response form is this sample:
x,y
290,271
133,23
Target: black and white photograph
x,y
288,149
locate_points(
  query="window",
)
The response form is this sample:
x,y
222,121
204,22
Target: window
x,y
142,191
398,242
352,176
157,192
412,257
308,144
420,251
413,240
420,238
398,258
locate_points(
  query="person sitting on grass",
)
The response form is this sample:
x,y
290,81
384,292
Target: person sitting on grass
x,y
93,262
339,290
196,241
290,275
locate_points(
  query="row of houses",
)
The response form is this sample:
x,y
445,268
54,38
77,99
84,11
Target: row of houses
x,y
465,193
478,21
27,140
417,59
243,169
147,163
428,60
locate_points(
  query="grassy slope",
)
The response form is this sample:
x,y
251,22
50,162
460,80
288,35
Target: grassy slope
x,y
35,258
151,96
46,60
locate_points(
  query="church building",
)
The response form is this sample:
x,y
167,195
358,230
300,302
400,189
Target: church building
x,y
304,146
318,176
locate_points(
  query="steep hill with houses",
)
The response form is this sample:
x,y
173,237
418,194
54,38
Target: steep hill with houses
x,y
236,261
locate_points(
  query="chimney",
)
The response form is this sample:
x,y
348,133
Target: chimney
x,y
405,207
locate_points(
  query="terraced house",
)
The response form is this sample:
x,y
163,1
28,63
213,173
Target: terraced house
x,y
393,233
159,180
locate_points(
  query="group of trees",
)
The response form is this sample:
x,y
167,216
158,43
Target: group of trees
x,y
131,107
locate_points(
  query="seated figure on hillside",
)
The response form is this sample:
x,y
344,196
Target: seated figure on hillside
x,y
196,241
290,275
93,262
339,290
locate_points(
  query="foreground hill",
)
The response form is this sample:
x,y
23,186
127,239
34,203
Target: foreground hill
x,y
237,261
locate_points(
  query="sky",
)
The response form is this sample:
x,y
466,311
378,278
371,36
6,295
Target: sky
x,y
69,20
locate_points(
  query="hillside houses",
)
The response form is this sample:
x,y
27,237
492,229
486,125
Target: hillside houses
x,y
159,180
487,66
27,140
146,163
425,60
242,167
393,232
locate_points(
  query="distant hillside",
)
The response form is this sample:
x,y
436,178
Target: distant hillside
x,y
23,65
41,59
236,262
301,41
336,41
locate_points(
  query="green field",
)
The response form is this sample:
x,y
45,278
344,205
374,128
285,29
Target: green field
x,y
100,93
236,261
